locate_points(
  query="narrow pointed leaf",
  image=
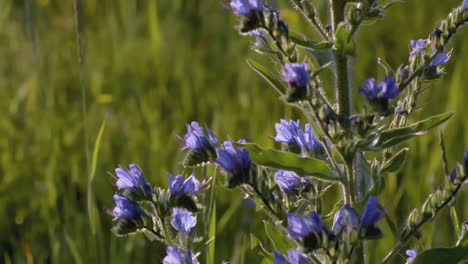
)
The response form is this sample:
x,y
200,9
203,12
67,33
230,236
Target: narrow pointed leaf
x,y
392,137
396,162
268,76
307,43
442,256
281,160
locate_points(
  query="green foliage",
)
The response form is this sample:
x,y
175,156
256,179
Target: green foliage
x,y
149,68
442,256
281,160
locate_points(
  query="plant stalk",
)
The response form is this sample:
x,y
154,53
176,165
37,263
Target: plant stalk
x,y
342,89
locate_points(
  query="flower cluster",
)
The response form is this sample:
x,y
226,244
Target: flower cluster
x,y
347,219
236,163
296,140
202,147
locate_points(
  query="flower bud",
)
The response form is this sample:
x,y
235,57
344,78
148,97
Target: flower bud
x,y
308,8
427,208
414,218
436,199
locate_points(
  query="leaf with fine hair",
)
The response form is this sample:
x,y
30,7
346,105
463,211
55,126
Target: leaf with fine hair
x,y
281,160
268,76
396,162
442,256
394,136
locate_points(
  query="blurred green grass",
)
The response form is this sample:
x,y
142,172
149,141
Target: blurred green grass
x,y
148,68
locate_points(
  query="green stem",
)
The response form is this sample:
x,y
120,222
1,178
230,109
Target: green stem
x,y
342,90
405,239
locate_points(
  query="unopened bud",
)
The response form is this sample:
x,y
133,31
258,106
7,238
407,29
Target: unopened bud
x,y
308,8
436,199
414,218
427,208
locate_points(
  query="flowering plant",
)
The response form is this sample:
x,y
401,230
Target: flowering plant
x,y
338,149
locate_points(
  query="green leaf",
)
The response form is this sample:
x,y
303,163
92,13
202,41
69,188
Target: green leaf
x,y
93,216
396,162
323,57
276,237
343,43
307,43
268,76
392,137
303,166
441,256
463,239
363,181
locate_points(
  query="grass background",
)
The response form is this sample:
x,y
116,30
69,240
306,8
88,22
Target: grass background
x,y
146,68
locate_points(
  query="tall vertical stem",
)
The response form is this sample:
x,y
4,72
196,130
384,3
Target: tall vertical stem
x,y
342,89
344,99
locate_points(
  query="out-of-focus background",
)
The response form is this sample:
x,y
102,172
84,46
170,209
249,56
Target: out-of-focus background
x,y
146,68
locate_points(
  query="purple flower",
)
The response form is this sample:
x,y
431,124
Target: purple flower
x,y
287,131
183,220
372,212
294,257
386,89
233,160
133,179
195,139
346,219
453,175
175,256
304,225
441,58
126,208
178,185
246,7
411,253
287,180
296,74
417,47
309,228
465,158
465,5
290,133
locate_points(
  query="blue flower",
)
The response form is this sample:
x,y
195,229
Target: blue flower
x,y
294,257
178,185
233,160
288,180
246,7
386,89
418,47
296,74
465,5
133,179
195,139
308,227
440,59
411,253
290,133
465,159
453,175
346,219
287,131
304,225
372,212
183,220
175,256
126,208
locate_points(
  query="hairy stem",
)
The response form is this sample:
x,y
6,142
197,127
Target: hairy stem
x,y
342,89
406,238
